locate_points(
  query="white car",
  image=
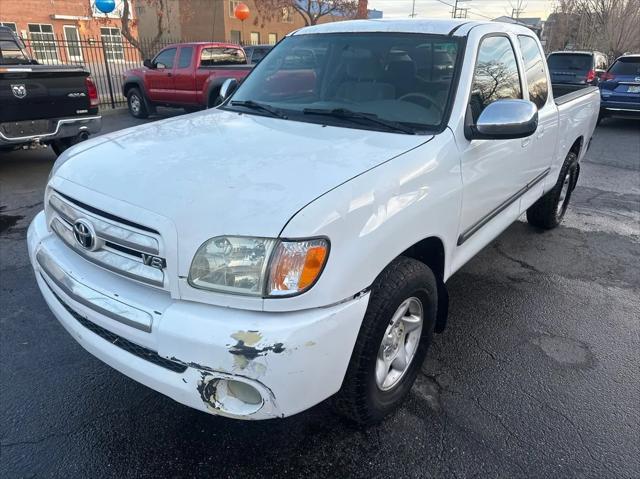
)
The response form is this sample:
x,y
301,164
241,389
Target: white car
x,y
294,244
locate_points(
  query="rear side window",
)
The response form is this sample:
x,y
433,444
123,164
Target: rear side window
x,y
534,71
575,63
222,56
496,75
626,66
184,60
165,57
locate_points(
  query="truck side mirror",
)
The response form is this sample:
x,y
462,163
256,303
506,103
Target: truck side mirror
x,y
148,63
227,88
504,120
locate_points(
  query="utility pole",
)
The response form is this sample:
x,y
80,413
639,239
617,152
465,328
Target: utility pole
x,y
413,10
459,12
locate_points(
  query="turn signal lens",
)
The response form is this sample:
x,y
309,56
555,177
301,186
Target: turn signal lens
x,y
296,265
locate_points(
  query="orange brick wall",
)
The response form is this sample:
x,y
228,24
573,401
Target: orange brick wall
x,y
58,13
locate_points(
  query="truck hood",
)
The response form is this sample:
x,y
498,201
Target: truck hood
x,y
218,172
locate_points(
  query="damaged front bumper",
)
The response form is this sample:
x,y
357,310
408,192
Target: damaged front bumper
x,y
236,363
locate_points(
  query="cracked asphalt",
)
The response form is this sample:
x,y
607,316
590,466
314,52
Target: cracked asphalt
x,y
537,374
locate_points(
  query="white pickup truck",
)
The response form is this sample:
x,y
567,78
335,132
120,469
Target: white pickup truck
x,y
294,243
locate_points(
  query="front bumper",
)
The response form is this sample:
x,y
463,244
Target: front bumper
x,y
190,351
60,128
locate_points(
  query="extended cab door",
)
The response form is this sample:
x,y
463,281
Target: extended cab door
x,y
542,150
184,79
159,80
493,171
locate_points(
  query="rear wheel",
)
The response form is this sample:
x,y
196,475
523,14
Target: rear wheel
x,y
392,344
136,104
548,211
58,146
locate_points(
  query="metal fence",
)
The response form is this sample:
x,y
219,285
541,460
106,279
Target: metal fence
x,y
106,58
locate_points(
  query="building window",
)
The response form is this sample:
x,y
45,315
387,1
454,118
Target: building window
x,y
235,36
255,38
273,39
112,41
287,15
11,26
43,42
232,7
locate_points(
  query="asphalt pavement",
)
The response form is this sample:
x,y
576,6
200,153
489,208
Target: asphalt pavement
x,y
537,374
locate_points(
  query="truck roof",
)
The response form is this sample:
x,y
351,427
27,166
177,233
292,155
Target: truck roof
x,y
434,26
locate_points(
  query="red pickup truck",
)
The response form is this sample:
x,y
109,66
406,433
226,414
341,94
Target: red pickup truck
x,y
185,75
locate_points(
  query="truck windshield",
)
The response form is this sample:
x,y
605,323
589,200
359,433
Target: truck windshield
x,y
390,81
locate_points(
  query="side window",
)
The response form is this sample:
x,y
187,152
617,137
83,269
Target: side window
x,y
184,60
496,75
165,57
602,62
222,56
534,71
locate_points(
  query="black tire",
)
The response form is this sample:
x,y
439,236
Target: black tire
x,y
214,99
137,104
191,109
548,211
59,146
360,399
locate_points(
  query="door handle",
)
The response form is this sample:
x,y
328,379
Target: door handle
x,y
526,141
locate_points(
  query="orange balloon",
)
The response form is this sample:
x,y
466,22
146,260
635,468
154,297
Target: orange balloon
x,y
241,12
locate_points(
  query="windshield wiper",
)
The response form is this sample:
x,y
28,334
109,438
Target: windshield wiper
x,y
356,115
254,105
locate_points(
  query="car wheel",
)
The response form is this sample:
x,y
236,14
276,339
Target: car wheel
x,y
392,343
548,211
136,104
59,146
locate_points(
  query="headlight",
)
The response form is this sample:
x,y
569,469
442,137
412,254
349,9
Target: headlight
x,y
258,266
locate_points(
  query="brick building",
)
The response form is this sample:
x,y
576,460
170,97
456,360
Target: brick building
x,y
56,30
207,20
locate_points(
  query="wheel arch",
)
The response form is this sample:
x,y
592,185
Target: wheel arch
x,y
432,253
212,88
577,146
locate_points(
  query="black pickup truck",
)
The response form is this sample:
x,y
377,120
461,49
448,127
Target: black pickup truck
x,y
53,105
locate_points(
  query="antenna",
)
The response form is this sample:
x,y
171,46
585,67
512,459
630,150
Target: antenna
x,y
413,10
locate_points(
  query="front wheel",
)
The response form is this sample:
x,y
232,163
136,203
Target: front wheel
x,y
136,104
394,337
548,211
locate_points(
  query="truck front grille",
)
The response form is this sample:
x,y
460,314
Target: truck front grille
x,y
119,245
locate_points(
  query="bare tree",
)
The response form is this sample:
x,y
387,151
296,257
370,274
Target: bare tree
x,y
311,11
610,26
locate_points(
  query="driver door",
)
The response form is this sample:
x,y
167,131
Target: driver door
x,y
493,171
159,80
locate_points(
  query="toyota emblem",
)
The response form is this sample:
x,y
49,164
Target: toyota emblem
x,y
84,234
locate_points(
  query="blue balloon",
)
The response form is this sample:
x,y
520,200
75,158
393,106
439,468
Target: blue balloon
x,y
106,6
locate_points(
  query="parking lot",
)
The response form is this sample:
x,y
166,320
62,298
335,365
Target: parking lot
x,y
537,374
